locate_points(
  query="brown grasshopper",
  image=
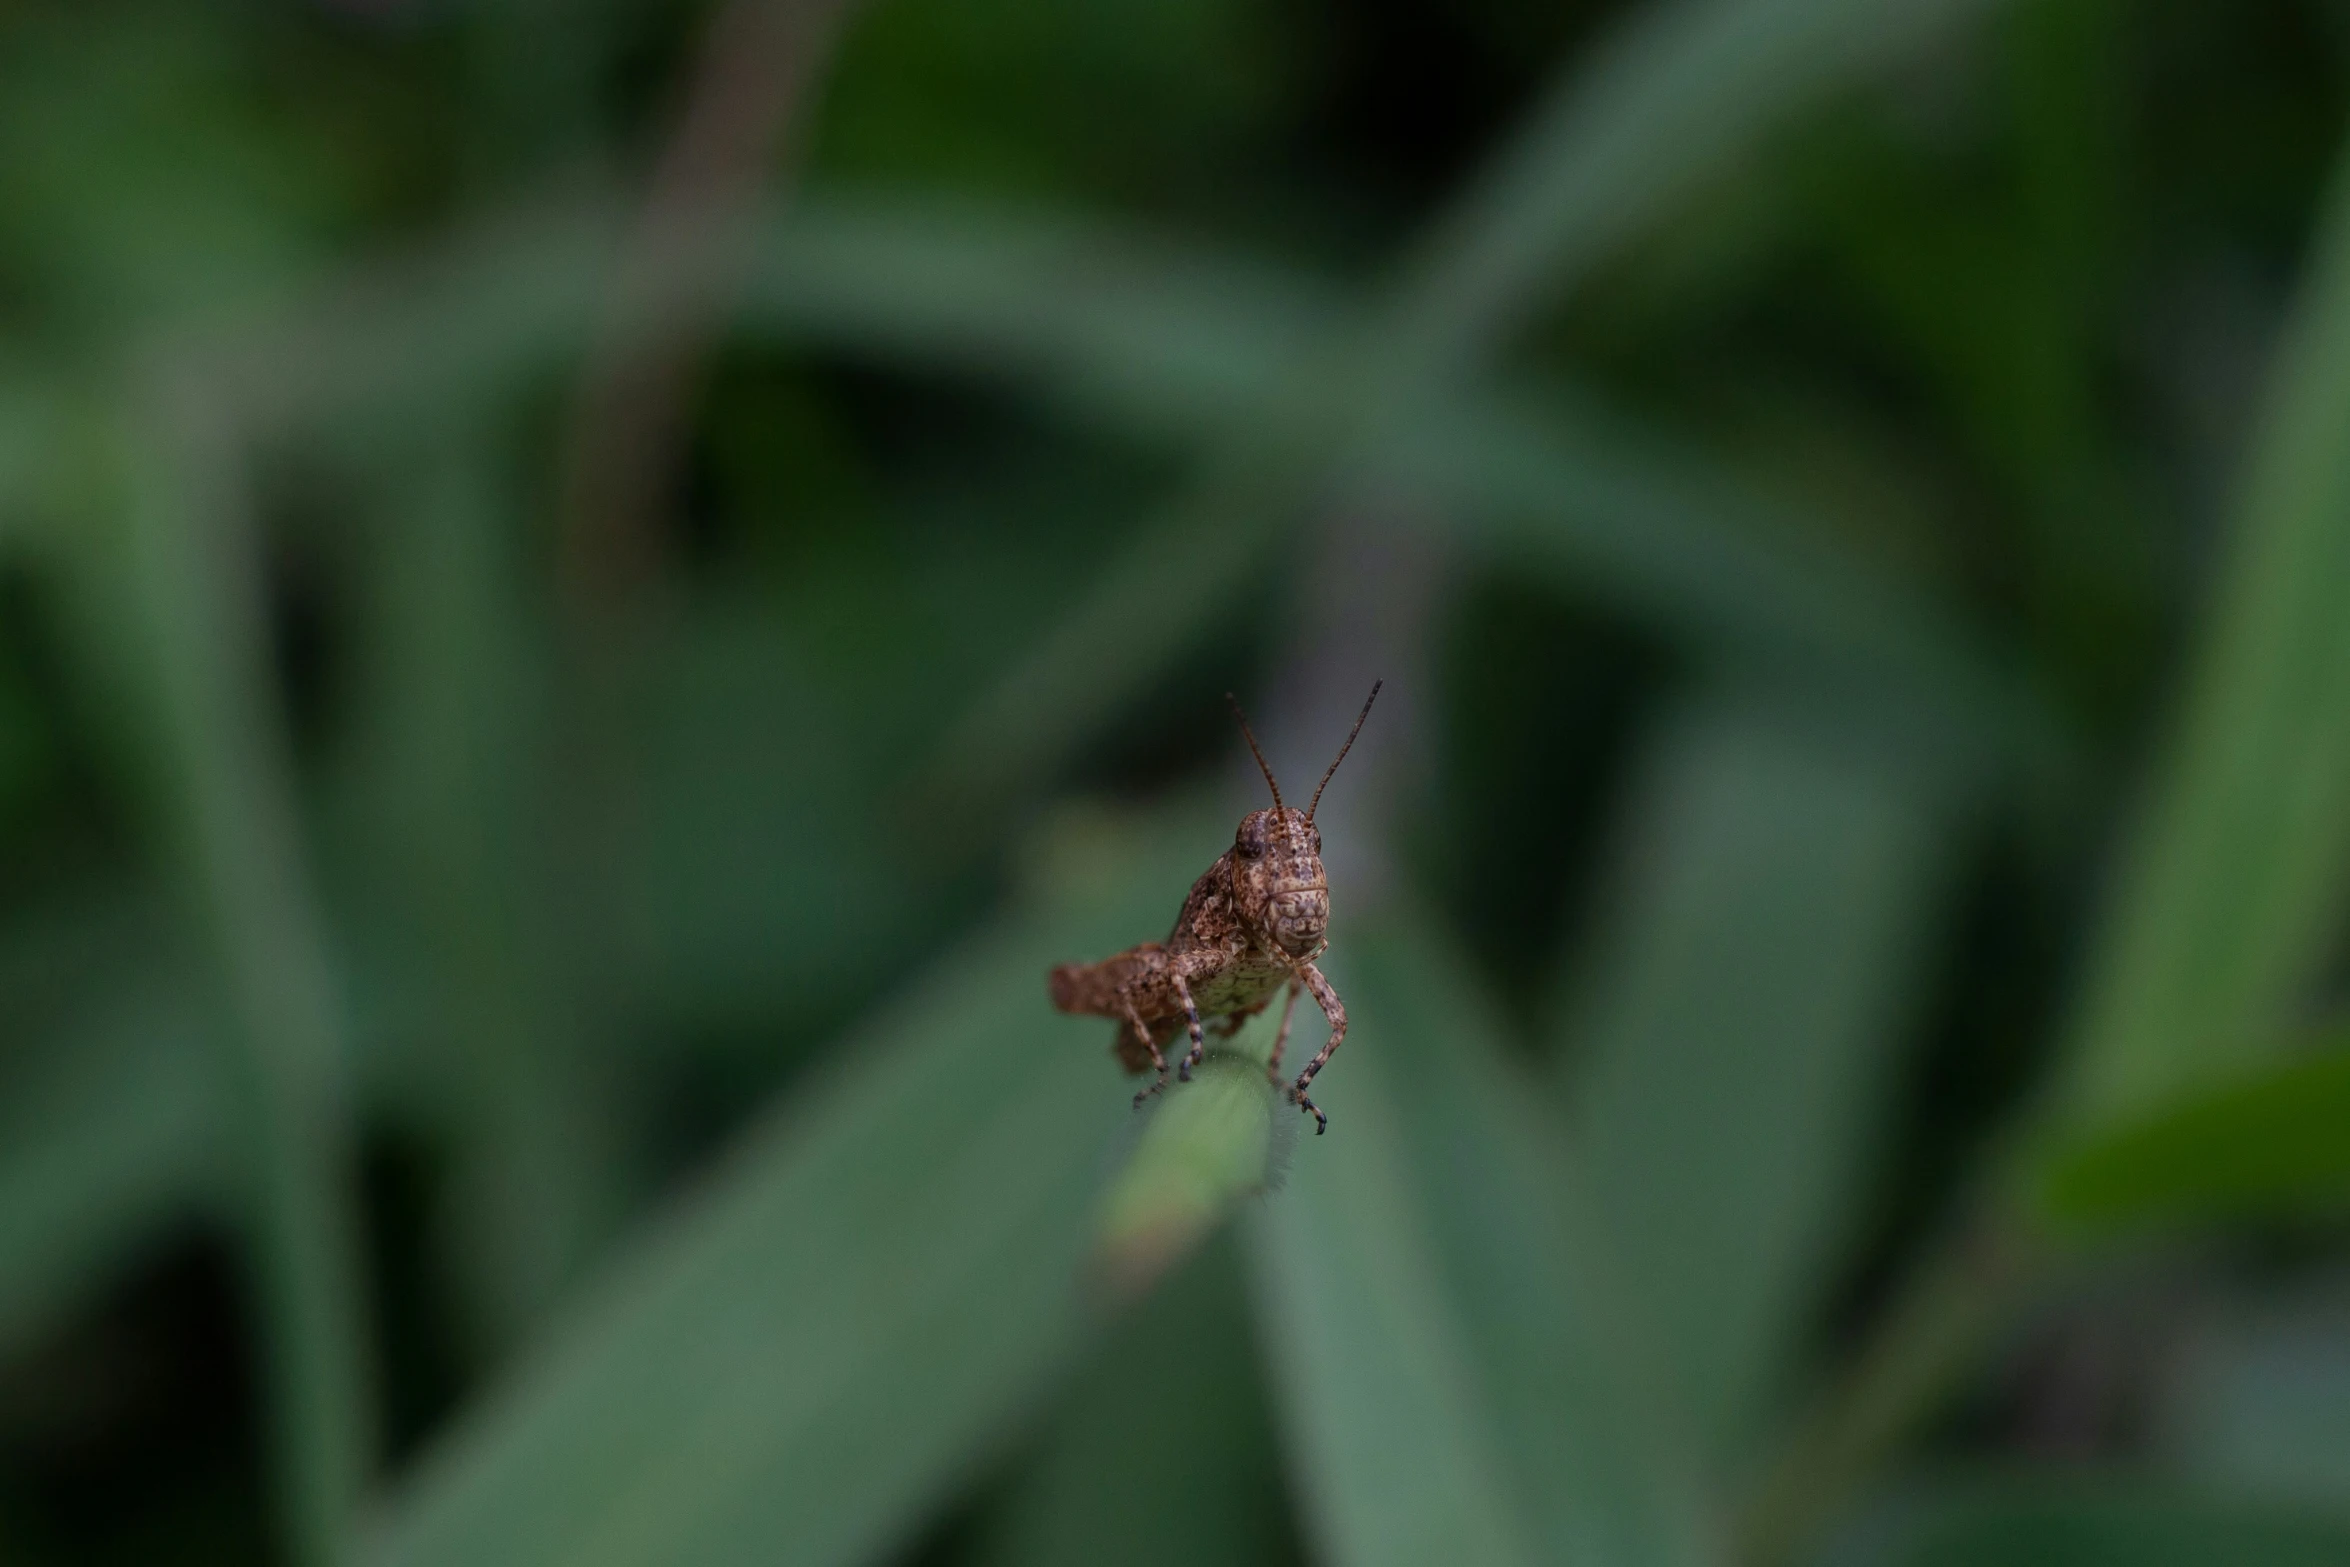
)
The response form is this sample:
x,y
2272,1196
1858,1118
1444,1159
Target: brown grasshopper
x,y
1256,921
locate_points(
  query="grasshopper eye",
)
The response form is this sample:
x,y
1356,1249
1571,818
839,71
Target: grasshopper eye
x,y
1250,844
1317,840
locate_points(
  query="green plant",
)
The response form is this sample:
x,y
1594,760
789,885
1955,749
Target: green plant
x,y
1733,459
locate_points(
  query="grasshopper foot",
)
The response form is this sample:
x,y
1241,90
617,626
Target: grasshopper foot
x,y
1297,1093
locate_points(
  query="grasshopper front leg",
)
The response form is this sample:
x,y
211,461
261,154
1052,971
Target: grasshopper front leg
x,y
1335,1010
1199,1043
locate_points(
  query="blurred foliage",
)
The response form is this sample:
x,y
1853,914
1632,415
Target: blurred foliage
x,y
527,1044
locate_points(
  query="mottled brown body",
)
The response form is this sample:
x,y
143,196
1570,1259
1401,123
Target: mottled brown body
x,y
1255,922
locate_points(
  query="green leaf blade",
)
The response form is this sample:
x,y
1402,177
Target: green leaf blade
x,y
2273,1145
1455,1370
1735,1043
2239,872
845,1318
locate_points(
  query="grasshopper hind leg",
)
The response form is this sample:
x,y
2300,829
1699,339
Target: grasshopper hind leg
x,y
1281,1037
1135,1029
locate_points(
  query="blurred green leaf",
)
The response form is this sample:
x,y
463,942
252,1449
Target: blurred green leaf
x,y
1178,341
1398,1456
932,92
1182,569
1620,512
142,178
2220,918
2235,884
1999,296
768,885
2053,1523
117,1132
1121,324
447,786
2275,1144
181,572
2255,1397
1733,1034
1161,1452
846,1317
114,1120
1207,1143
1679,94
25,436
1676,98
1458,1376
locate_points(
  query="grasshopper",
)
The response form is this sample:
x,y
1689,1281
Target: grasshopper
x,y
1255,922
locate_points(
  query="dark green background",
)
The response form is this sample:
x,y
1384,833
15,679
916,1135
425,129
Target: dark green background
x,y
522,1042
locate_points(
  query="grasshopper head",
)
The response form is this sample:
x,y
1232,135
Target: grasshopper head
x,y
1277,880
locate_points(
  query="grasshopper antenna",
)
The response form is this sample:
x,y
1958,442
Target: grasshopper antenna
x,y
1342,750
1253,751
